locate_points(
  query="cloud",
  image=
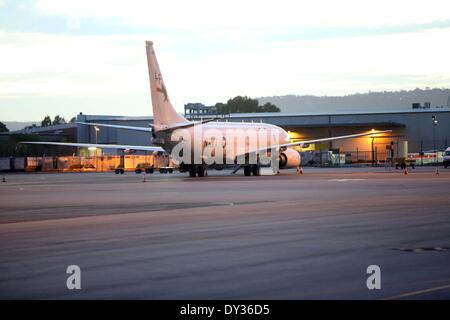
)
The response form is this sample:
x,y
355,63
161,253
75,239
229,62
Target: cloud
x,y
211,51
326,66
73,23
71,65
111,65
204,14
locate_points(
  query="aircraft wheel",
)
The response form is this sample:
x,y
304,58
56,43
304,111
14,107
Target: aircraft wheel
x,y
117,171
122,171
200,171
170,170
247,171
255,170
192,171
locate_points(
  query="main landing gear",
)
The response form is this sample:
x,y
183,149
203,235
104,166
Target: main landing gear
x,y
198,170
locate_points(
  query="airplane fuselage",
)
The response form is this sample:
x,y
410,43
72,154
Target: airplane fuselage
x,y
231,139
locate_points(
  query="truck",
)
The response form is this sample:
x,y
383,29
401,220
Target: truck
x,y
149,168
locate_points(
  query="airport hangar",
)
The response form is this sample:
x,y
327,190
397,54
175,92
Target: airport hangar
x,y
414,126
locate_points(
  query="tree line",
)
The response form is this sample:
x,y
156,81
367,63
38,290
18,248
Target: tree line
x,y
238,104
244,104
56,120
3,127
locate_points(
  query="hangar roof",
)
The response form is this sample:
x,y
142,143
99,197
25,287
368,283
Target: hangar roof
x,y
52,129
277,114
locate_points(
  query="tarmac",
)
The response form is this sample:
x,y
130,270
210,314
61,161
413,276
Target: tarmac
x,y
290,236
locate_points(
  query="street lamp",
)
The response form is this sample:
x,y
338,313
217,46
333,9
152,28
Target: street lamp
x,y
435,123
373,151
97,129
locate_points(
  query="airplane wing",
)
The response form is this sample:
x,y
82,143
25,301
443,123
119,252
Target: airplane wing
x,y
98,145
301,143
116,126
159,149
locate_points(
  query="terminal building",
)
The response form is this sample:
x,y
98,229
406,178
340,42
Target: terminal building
x,y
411,129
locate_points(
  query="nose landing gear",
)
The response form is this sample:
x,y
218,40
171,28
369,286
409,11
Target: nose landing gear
x,y
252,169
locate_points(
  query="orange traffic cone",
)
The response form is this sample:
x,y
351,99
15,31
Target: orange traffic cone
x,y
437,170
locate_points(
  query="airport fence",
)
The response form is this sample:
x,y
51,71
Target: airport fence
x,y
331,159
376,157
80,164
130,162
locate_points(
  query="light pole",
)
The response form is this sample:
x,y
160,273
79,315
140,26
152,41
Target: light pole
x,y
435,123
97,129
373,151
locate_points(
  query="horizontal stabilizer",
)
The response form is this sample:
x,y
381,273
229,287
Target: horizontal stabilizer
x,y
187,125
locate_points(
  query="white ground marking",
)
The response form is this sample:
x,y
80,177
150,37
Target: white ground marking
x,y
415,293
345,180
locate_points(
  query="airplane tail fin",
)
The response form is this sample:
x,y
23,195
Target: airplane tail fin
x,y
164,114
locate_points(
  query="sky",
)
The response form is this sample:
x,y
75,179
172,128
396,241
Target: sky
x,y
65,57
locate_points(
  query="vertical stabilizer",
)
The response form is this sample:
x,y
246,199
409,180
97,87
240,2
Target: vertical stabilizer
x,y
164,113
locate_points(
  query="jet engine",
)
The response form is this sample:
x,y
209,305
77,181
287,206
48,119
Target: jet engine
x,y
289,159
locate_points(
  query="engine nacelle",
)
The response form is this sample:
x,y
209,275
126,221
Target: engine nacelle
x,y
289,159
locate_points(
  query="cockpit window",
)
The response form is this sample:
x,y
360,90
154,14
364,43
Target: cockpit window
x,y
447,153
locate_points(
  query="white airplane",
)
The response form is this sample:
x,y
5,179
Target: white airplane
x,y
169,129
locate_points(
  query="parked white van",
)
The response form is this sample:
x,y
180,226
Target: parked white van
x,y
447,157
